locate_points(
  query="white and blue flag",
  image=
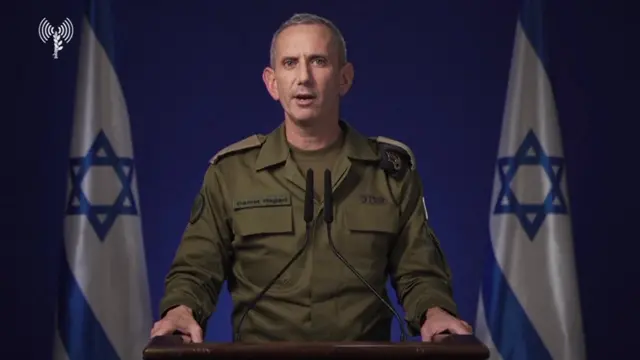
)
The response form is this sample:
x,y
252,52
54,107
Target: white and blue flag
x,y
103,310
529,307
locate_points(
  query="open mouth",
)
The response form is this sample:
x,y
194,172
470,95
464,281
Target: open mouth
x,y
304,99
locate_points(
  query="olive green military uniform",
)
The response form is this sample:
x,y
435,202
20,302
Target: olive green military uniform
x,y
247,223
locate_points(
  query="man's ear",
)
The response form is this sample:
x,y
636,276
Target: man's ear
x,y
269,78
346,78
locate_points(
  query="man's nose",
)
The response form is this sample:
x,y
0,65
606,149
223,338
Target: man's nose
x,y
304,72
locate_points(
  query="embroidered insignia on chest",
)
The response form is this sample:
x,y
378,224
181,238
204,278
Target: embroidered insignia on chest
x,y
372,199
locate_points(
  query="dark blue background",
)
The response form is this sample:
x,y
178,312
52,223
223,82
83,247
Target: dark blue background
x,y
433,77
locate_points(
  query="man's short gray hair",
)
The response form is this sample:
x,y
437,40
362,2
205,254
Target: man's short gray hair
x,y
311,19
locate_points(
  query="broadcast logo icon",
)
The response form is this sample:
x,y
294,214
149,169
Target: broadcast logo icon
x,y
63,32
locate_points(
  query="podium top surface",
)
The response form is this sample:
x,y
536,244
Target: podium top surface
x,y
444,347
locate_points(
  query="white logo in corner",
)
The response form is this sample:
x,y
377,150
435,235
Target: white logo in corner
x,y
63,32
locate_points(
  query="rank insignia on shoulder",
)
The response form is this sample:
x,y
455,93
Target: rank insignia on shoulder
x,y
394,162
395,157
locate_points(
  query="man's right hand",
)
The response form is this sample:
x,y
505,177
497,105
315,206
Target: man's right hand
x,y
181,319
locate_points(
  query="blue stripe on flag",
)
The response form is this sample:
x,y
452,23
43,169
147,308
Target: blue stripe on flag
x,y
511,330
80,332
100,17
531,20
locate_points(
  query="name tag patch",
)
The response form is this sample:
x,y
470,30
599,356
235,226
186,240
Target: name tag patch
x,y
262,201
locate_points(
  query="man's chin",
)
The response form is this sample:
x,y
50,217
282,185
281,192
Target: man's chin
x,y
304,117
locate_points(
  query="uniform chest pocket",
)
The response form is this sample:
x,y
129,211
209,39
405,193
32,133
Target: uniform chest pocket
x,y
370,233
370,229
372,219
263,221
262,214
264,238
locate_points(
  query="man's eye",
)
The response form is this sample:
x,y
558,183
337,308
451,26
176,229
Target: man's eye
x,y
321,62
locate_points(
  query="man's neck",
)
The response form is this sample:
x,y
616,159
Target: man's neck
x,y
313,137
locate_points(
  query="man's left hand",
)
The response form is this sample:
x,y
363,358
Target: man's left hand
x,y
439,321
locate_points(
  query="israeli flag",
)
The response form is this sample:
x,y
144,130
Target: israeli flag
x,y
529,306
103,310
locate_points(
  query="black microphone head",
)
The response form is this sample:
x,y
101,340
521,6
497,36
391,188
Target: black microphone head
x,y
308,198
328,197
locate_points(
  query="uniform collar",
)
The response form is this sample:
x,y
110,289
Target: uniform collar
x,y
275,149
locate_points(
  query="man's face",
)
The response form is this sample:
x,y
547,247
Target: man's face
x,y
306,76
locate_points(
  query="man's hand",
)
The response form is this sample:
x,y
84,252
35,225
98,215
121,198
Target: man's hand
x,y
181,319
439,321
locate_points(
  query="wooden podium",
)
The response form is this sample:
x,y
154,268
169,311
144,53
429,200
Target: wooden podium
x,y
461,347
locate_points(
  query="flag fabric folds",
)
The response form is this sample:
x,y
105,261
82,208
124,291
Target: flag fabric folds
x,y
529,306
103,308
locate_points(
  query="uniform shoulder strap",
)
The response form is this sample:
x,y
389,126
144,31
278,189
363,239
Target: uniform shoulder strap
x,y
250,142
396,158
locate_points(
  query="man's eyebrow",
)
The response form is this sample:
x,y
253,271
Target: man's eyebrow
x,y
319,55
310,56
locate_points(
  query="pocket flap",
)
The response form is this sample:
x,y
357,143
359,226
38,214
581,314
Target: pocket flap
x,y
375,218
269,214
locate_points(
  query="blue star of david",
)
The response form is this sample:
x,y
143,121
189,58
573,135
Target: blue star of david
x,y
531,216
101,217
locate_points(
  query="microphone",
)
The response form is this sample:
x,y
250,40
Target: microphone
x,y
328,218
308,218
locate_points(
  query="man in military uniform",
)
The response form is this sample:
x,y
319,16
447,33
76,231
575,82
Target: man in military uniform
x,y
247,220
